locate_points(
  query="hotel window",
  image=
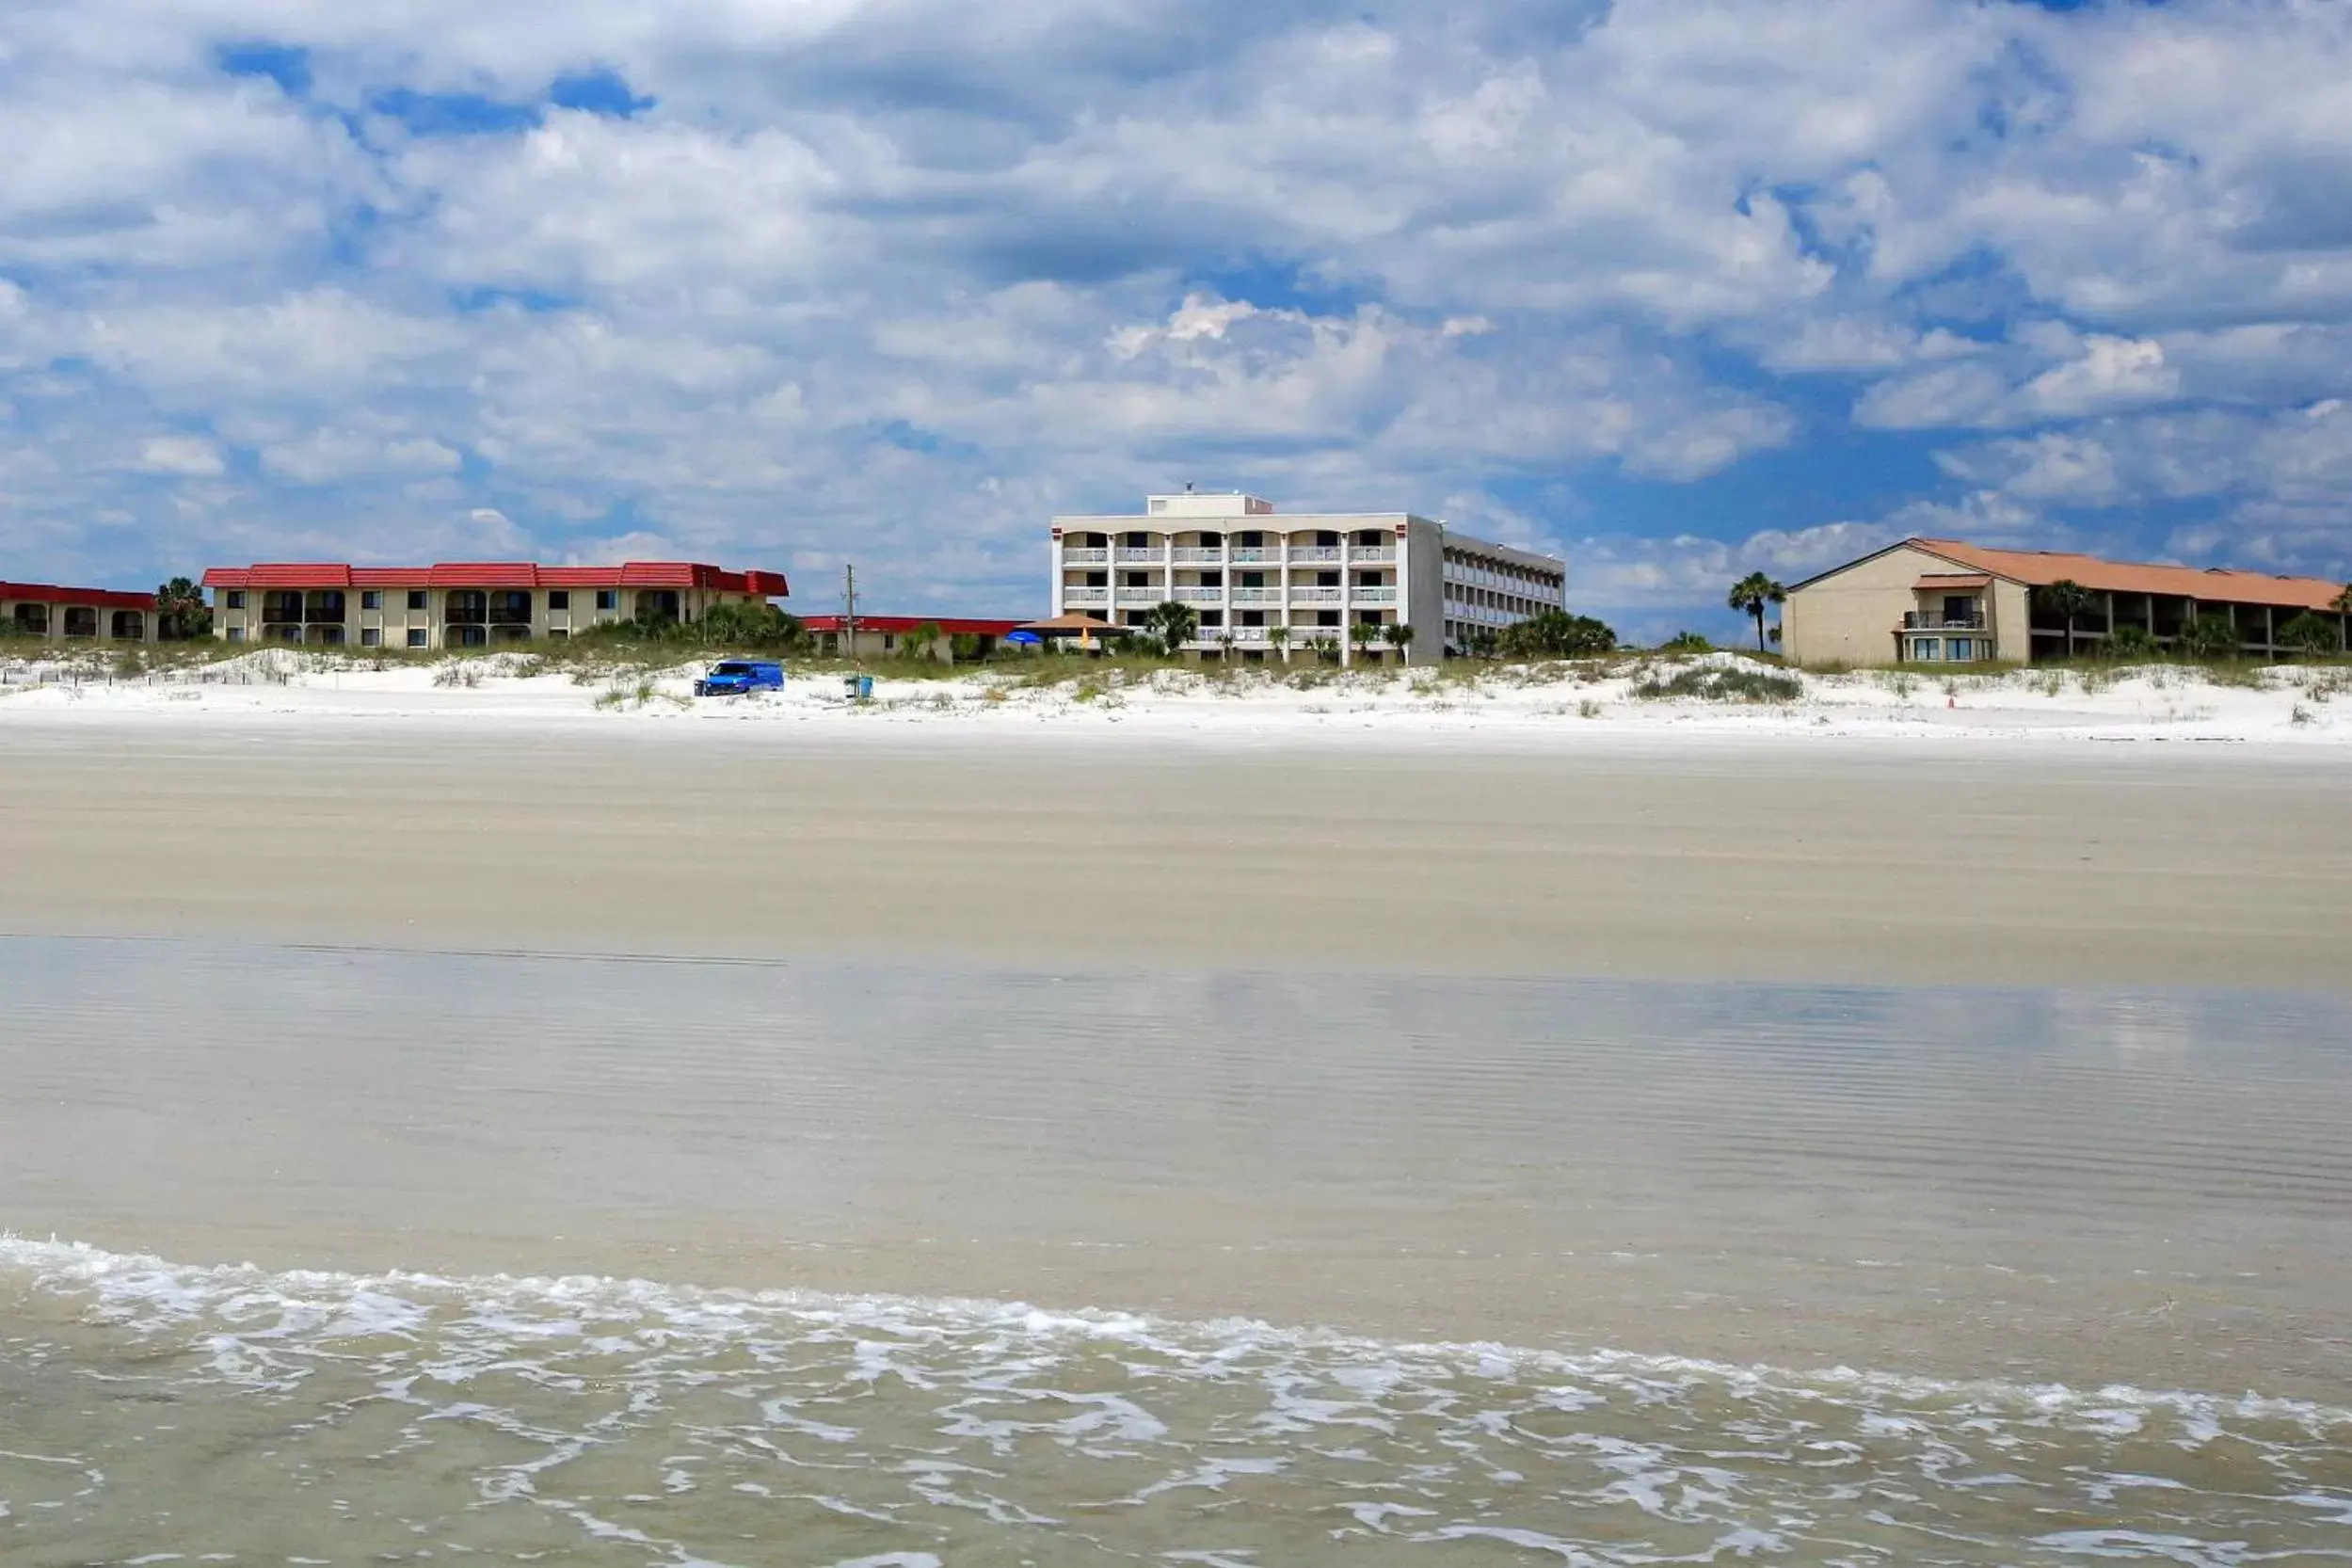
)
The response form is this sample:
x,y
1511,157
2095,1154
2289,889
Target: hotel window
x,y
371,598
608,598
236,598
557,634
371,637
419,636
1965,650
236,634
416,602
1927,648
558,599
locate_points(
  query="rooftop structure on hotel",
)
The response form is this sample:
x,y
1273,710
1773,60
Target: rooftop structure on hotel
x,y
1943,601
464,604
71,615
1261,581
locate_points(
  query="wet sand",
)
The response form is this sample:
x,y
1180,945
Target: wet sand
x,y
2026,1186
1794,859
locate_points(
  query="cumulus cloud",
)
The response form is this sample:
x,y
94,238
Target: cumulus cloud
x,y
895,281
191,457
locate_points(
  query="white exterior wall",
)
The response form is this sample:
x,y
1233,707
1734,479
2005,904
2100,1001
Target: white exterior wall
x,y
1407,574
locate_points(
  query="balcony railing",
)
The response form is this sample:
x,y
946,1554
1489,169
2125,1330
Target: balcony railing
x,y
1316,595
1368,554
1913,621
1086,595
1255,553
1197,555
1376,596
1314,552
1258,596
1085,557
1194,594
1127,552
1141,595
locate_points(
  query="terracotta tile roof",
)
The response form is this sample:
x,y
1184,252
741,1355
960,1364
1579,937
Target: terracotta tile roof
x,y
499,574
2216,584
1949,581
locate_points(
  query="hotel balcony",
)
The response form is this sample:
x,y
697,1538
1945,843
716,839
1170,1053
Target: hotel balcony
x,y
1085,557
1914,621
1316,552
1196,595
1139,557
1371,554
1258,596
1316,595
1141,596
1255,552
1195,555
1375,596
1079,598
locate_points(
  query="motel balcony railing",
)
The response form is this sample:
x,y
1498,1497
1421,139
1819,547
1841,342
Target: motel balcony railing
x,y
1258,596
1375,596
1316,595
1086,595
1141,557
1141,595
1914,621
1368,554
1086,557
1198,556
1255,553
1314,552
1196,595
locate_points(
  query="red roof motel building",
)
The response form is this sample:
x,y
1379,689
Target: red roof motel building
x,y
464,604
77,614
881,636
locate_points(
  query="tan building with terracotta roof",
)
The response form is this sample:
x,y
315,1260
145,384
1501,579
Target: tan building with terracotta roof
x,y
1943,602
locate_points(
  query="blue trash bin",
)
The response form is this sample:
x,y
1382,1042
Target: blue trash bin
x,y
860,687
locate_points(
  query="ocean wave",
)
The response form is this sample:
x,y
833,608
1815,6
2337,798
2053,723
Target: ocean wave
x,y
664,1420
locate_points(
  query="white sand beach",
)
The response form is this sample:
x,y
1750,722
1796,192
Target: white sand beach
x,y
1555,705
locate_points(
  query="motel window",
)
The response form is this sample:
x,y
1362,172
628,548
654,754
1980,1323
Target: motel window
x,y
236,598
419,636
371,637
1965,650
889,643
557,635
1927,648
608,598
416,598
236,634
371,598
558,599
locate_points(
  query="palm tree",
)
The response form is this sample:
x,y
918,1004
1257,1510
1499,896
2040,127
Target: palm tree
x,y
179,610
2309,635
2341,605
1364,633
1278,638
1399,637
2211,635
1172,624
1750,594
2070,599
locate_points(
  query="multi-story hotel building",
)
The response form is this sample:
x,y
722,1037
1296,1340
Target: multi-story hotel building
x,y
1246,572
464,604
76,615
1946,601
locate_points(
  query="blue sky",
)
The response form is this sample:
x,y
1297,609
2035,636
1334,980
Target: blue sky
x,y
1677,290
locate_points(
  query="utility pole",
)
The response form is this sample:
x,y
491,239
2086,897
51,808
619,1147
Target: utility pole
x,y
849,610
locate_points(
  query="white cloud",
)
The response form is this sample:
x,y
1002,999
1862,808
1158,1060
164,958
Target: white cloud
x,y
191,457
897,279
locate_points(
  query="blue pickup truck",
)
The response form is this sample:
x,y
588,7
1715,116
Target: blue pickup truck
x,y
735,677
